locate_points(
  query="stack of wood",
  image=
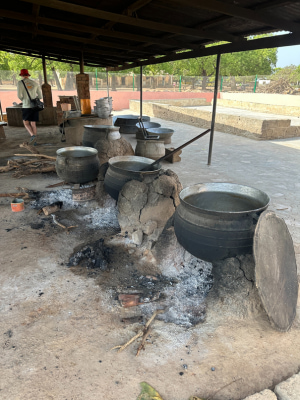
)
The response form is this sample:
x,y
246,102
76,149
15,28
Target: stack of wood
x,y
37,163
280,86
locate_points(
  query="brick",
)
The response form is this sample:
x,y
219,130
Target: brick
x,y
289,389
264,395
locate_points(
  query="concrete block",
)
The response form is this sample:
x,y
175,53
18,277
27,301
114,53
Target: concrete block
x,y
289,389
264,395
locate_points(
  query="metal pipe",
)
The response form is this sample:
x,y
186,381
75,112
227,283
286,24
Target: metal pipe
x,y
213,118
141,91
44,68
107,85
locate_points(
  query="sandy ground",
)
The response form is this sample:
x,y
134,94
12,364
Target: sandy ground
x,y
58,324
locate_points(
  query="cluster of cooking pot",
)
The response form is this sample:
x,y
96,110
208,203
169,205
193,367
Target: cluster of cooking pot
x,y
213,220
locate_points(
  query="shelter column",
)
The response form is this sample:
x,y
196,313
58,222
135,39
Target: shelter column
x,y
212,129
141,91
83,89
46,88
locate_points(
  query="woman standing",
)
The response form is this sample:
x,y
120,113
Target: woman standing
x,y
30,117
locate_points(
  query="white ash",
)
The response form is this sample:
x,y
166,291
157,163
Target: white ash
x,y
185,301
102,218
64,195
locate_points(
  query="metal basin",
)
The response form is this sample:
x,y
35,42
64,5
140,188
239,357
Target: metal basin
x,y
126,168
217,220
164,133
77,164
147,125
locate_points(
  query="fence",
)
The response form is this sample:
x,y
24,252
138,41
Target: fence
x,y
66,81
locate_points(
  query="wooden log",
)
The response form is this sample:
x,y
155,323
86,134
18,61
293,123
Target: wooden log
x,y
36,155
14,195
52,208
32,149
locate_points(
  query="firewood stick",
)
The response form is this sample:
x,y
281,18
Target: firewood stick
x,y
36,155
14,195
140,333
30,148
142,344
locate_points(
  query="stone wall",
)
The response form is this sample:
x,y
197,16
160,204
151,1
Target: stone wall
x,y
255,128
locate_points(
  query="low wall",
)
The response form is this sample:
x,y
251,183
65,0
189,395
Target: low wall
x,y
264,98
292,111
254,128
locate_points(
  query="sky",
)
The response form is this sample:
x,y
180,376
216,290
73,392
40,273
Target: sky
x,y
288,55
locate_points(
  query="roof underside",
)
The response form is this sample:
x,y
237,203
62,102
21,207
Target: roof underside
x,y
122,34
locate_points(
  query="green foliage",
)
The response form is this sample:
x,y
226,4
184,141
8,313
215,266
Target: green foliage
x,y
291,73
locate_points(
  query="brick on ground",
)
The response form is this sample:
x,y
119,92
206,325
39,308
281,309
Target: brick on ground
x,y
264,395
289,389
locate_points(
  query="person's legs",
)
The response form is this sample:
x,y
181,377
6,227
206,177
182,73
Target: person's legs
x,y
28,127
33,127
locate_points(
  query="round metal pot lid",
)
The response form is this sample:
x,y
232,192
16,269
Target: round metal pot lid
x,y
276,270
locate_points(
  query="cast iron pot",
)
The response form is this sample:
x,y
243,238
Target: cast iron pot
x,y
217,220
77,164
122,169
93,133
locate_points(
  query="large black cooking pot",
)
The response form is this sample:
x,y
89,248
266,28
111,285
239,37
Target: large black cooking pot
x,y
77,164
217,220
93,133
126,168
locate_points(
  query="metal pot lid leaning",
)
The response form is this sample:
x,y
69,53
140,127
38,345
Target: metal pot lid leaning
x,y
276,270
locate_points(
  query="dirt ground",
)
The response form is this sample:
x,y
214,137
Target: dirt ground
x,y
59,323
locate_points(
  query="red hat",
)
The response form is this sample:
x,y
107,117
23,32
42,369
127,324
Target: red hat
x,y
24,72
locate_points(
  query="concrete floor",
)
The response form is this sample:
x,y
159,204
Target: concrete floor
x,y
58,327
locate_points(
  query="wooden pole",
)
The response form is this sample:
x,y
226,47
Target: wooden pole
x,y
81,64
44,69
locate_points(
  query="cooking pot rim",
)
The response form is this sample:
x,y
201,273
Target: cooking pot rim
x,y
215,185
160,130
112,127
146,160
91,150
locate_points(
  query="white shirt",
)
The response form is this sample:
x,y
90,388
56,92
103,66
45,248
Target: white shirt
x,y
33,89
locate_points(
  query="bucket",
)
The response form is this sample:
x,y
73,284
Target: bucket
x,y
85,106
17,205
65,107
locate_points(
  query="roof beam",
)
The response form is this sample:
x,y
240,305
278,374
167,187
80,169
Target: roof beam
x,y
239,12
92,30
71,38
141,23
262,43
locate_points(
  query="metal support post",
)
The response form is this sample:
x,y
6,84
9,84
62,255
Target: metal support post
x,y
96,80
107,84
180,83
141,91
213,118
255,84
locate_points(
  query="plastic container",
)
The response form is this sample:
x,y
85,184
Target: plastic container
x,y
66,107
85,106
17,205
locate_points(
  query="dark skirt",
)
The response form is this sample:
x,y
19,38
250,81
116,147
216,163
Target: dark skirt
x,y
30,115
